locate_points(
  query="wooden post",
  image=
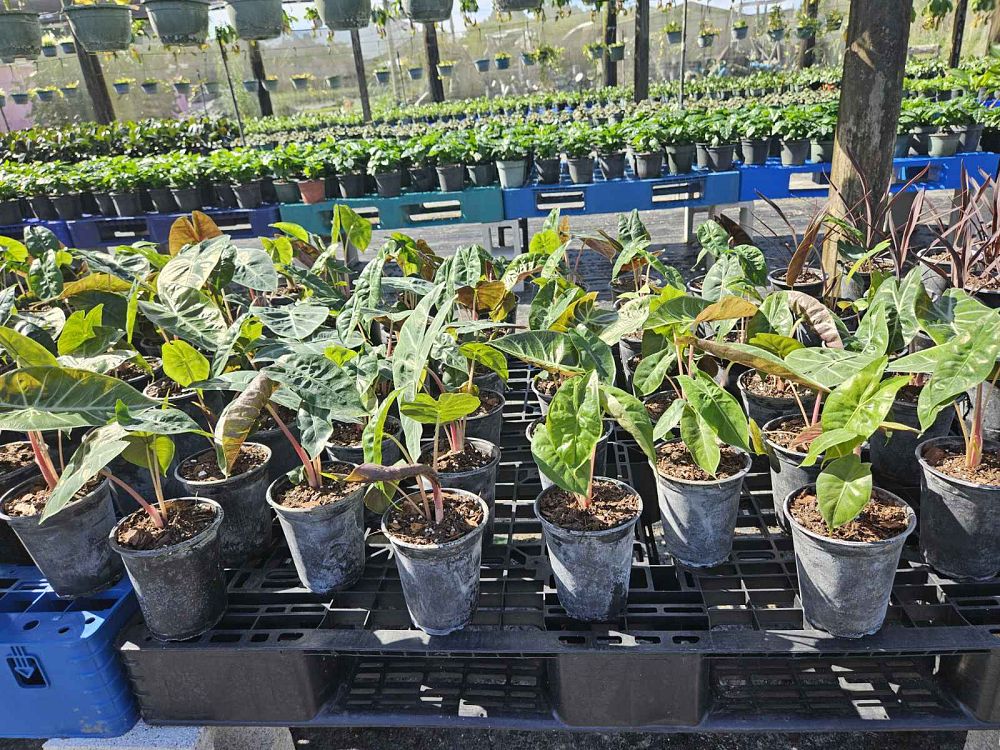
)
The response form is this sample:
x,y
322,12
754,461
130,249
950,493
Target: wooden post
x,y
258,72
958,32
435,87
870,95
97,87
610,37
640,70
993,36
359,69
807,49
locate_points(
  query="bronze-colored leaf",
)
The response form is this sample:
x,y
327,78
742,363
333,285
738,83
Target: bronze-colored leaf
x,y
737,234
190,231
801,254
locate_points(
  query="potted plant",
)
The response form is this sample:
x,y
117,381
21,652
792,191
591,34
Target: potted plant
x,y
344,15
178,22
645,139
415,72
834,20
792,124
674,32
740,28
271,83
428,11
821,135
185,178
609,142
528,58
102,26
616,51
251,85
445,68
545,145
806,26
757,129
776,24
707,34
719,134
20,34
255,19
511,153
46,93
384,159
302,81
594,50
577,142
20,97
182,86
149,86
313,185
502,60
49,48
122,85
447,153
382,75
349,162
588,521
67,45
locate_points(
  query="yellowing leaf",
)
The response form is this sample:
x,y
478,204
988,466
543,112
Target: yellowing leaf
x,y
190,231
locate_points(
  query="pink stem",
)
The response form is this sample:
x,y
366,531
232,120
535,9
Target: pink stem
x,y
42,460
146,506
307,464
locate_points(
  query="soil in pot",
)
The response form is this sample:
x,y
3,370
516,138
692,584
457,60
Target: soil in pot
x,y
439,563
788,441
590,547
474,470
246,527
766,397
809,281
960,509
176,570
545,389
846,575
486,422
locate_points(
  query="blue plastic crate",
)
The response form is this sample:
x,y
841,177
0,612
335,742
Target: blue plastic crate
x,y
61,674
944,173
58,228
698,188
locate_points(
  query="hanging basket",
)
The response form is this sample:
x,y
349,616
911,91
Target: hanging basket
x,y
343,15
19,97
101,28
776,34
333,82
255,19
179,22
182,88
382,77
415,73
252,86
445,70
271,84
706,40
616,52
740,32
804,32
509,6
45,95
149,87
68,48
483,64
20,34
428,11
528,58
212,88
70,92
50,50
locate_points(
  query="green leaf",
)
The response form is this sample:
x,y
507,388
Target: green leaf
x,y
836,442
97,449
244,327
184,364
84,335
320,384
827,367
292,321
872,336
861,402
550,350
760,359
717,408
255,269
374,432
563,447
140,445
24,351
668,420
57,398
631,318
773,316
239,419
278,249
189,271
447,408
162,421
653,370
843,489
545,242
45,279
293,230
594,353
631,414
40,240
195,319
486,356
700,439
358,230
780,346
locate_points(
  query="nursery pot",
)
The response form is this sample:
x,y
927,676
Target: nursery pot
x,y
70,548
326,542
299,84
488,426
181,588
101,28
427,11
942,144
502,63
422,179
440,581
20,34
483,64
680,158
969,137
187,199
821,151
548,169
355,454
763,409
600,452
581,169
512,172
649,166
105,206
845,586
255,19
699,518
163,200
921,140
777,281
249,195
451,177
720,158
612,165
959,520
894,456
287,192
674,37
480,175
246,527
342,15
415,73
179,22
591,568
902,147
794,152
481,481
251,86
42,208
543,399
312,191
389,184
68,207
787,472
740,32
225,195
755,151
351,185
10,213
127,204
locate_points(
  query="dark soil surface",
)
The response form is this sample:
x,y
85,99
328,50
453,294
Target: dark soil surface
x,y
952,463
205,467
548,386
346,434
488,403
674,460
770,386
658,403
461,515
879,520
266,422
909,393
14,456
332,491
164,388
33,503
455,463
611,505
805,277
791,435
131,370
989,283
633,362
185,520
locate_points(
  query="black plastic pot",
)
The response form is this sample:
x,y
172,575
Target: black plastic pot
x,y
921,140
845,586
246,528
225,195
423,178
481,175
68,207
71,547
255,19
42,208
543,399
612,165
105,206
481,481
179,22
794,152
680,158
969,137
720,158
181,588
787,472
763,409
959,520
591,568
902,146
127,204
389,184
104,27
942,144
326,542
581,170
699,518
12,552
187,199
440,581
163,200
248,196
813,288
488,426
755,151
649,166
451,177
893,457
549,169
489,381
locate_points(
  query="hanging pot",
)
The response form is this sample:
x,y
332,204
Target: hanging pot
x,y
255,19
415,73
101,28
68,48
674,37
19,97
382,77
428,11
20,34
616,53
343,15
483,64
179,22
47,95
50,50
740,32
252,86
502,63
333,82
182,88
509,6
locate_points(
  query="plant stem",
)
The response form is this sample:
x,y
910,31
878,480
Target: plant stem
x,y
42,459
434,448
307,465
974,451
152,511
438,503
153,463
816,406
802,408
423,498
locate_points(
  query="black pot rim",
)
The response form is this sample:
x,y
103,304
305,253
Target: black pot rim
x,y
738,477
595,534
414,497
911,515
952,440
337,506
503,403
494,451
32,479
217,482
163,551
740,384
389,420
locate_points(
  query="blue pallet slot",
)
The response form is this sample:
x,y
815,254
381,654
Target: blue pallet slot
x,y
698,188
61,674
58,228
238,223
92,232
776,181
481,205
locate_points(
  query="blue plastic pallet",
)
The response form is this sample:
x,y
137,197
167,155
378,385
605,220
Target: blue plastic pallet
x,y
481,205
58,228
773,180
61,674
698,188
